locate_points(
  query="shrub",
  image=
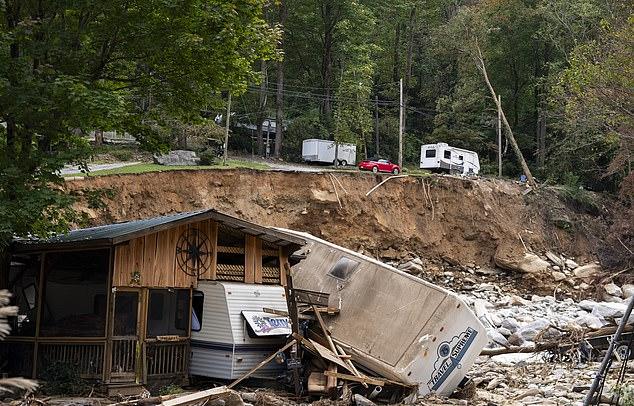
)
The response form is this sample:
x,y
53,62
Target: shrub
x,y
62,378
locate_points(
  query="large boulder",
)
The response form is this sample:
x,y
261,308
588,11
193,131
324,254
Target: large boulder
x,y
526,262
588,270
628,290
177,157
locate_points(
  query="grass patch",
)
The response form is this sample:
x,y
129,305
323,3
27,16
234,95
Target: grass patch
x,y
144,168
416,172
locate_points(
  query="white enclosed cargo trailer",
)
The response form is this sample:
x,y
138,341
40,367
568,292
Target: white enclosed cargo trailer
x,y
230,331
441,157
392,323
323,151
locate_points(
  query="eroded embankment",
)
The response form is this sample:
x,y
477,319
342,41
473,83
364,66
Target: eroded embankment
x,y
459,220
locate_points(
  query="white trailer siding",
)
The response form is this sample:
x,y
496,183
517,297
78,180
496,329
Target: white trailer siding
x,y
223,348
392,323
316,150
443,157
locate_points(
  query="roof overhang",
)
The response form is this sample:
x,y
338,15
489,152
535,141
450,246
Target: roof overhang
x,y
123,232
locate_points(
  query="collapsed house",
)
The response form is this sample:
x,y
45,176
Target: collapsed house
x,y
206,294
115,302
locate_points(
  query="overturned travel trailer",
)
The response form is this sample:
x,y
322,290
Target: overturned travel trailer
x,y
395,325
230,331
441,157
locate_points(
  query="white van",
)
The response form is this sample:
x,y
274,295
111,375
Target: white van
x,y
441,157
232,334
323,151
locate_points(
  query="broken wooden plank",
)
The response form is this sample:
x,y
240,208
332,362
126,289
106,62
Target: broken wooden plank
x,y
328,355
261,364
196,397
360,379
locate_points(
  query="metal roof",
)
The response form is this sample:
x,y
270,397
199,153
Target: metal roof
x,y
111,234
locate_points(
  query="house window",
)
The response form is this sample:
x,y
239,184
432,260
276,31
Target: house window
x,y
198,300
430,153
74,301
23,285
168,312
344,268
447,155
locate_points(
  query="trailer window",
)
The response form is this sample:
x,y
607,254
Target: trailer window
x,y
460,157
344,268
198,299
447,154
430,153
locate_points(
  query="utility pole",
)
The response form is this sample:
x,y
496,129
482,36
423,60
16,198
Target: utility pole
x,y
400,126
224,157
376,123
499,136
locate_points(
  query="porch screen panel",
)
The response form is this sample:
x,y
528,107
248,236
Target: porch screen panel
x,y
75,287
24,286
168,313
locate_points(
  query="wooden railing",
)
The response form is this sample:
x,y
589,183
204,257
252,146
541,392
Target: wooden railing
x,y
167,358
123,356
87,358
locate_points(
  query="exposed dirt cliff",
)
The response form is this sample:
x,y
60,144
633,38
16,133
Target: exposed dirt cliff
x,y
459,220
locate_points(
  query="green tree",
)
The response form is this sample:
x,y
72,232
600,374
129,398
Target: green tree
x,y
353,117
69,67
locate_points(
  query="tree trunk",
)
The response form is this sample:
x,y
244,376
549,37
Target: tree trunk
x,y
410,49
396,56
98,138
479,59
261,109
279,99
329,18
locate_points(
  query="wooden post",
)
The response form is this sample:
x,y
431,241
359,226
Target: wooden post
x,y
400,126
499,136
224,157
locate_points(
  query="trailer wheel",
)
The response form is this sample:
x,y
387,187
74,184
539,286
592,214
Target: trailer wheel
x,y
395,171
375,169
343,162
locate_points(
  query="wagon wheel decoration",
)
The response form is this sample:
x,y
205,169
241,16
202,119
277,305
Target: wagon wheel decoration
x,y
193,252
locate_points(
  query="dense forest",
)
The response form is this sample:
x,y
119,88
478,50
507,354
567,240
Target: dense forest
x,y
331,69
563,71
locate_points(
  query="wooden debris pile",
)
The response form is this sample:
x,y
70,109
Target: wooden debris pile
x,y
319,364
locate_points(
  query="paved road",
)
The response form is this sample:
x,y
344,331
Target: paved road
x,y
71,170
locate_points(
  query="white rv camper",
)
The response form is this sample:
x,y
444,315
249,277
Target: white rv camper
x,y
444,158
395,324
230,332
323,151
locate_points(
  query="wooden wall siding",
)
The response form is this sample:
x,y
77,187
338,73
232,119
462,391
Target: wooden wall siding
x,y
150,261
